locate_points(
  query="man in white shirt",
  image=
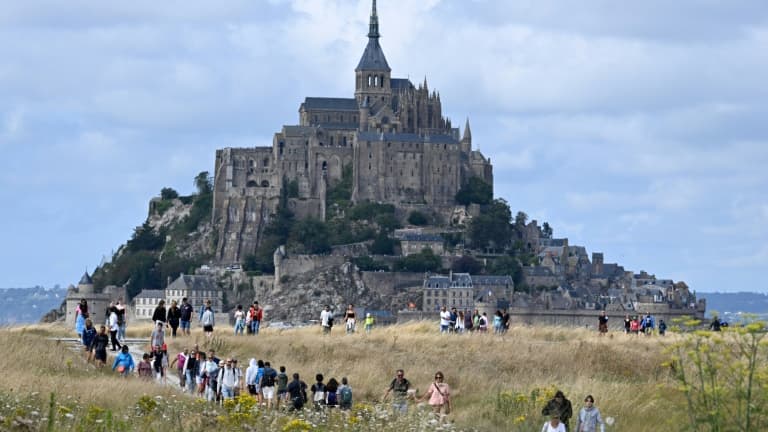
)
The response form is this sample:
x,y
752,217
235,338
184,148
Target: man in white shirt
x,y
326,319
228,380
445,320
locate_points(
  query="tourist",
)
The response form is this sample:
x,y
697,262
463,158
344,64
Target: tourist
x,y
662,328
227,380
650,324
181,361
505,321
331,393
239,320
634,326
81,313
460,322
469,324
250,377
124,362
239,376
368,322
439,395
258,315
158,335
349,318
208,321
445,320
560,406
602,323
159,358
249,320
482,323
186,316
267,384
121,320
326,319
99,347
160,313
174,317
211,376
554,425
297,391
200,378
452,320
113,328
192,370
345,394
497,322
476,320
627,324
589,417
89,334
318,392
715,324
145,368
399,388
282,387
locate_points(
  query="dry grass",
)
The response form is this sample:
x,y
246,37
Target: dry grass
x,y
623,372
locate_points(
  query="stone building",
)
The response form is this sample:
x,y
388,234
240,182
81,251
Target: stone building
x,y
415,243
145,302
391,137
197,289
97,302
465,291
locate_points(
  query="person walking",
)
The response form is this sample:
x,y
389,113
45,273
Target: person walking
x,y
124,362
158,336
239,320
589,417
89,334
81,313
602,323
349,318
99,347
560,406
121,320
208,321
553,424
399,388
297,391
186,316
326,319
113,328
174,318
368,322
439,395
227,380
160,313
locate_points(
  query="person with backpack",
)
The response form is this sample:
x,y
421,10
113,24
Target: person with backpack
x,y
399,388
282,386
186,316
482,323
174,317
318,392
345,395
124,362
326,319
227,380
267,385
297,391
208,321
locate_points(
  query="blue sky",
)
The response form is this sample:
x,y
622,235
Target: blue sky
x,y
637,129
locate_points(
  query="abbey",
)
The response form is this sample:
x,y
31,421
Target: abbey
x,y
391,137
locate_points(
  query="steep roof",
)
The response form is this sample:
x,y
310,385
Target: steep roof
x,y
373,57
85,280
492,280
194,283
325,103
400,83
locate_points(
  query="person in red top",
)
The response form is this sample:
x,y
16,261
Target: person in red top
x,y
258,314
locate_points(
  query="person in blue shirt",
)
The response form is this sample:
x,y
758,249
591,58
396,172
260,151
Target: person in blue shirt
x,y
124,362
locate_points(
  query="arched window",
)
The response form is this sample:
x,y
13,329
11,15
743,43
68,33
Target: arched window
x,y
375,80
264,183
265,162
251,184
370,81
381,80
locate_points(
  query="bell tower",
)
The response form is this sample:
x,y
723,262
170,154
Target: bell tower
x,y
372,75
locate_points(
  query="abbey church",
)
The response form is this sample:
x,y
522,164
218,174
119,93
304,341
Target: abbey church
x,y
391,136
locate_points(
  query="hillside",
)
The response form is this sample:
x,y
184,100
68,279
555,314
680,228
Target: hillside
x,y
28,304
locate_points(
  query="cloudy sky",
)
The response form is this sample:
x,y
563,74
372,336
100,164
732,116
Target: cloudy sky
x,y
637,129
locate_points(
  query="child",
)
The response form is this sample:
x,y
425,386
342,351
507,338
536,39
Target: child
x,y
368,322
145,368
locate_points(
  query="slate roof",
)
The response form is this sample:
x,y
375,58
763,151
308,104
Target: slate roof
x,y
460,280
552,242
400,83
297,130
335,104
373,57
151,294
406,137
85,280
492,280
345,126
422,237
438,282
194,283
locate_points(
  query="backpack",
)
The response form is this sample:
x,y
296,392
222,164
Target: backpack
x,y
346,396
269,378
319,393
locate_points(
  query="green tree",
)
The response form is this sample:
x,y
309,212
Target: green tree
x,y
203,183
293,188
475,191
418,218
521,218
145,239
382,244
387,222
507,266
366,263
167,193
425,261
467,264
546,230
309,236
492,228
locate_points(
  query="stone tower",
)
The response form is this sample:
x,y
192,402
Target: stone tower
x,y
372,75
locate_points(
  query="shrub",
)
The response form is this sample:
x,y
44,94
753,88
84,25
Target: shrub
x,y
418,218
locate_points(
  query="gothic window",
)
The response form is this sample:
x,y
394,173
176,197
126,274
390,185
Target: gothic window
x,y
381,80
370,81
331,141
264,183
325,165
344,141
376,81
250,163
369,167
265,162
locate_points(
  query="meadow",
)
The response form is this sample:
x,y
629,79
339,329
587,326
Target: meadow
x,y
498,382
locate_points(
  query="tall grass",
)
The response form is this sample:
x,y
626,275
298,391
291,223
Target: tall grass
x,y
498,383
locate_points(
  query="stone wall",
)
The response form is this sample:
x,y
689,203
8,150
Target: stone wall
x,y
390,283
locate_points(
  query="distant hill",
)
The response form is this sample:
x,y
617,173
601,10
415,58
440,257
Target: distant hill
x,y
28,305
731,304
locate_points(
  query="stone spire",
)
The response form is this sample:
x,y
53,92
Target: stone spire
x,y
373,57
373,31
467,131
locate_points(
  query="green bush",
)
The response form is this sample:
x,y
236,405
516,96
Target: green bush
x,y
418,218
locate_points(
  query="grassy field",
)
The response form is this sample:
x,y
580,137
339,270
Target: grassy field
x,y
498,383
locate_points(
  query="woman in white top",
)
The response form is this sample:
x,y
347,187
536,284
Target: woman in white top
x,y
553,425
